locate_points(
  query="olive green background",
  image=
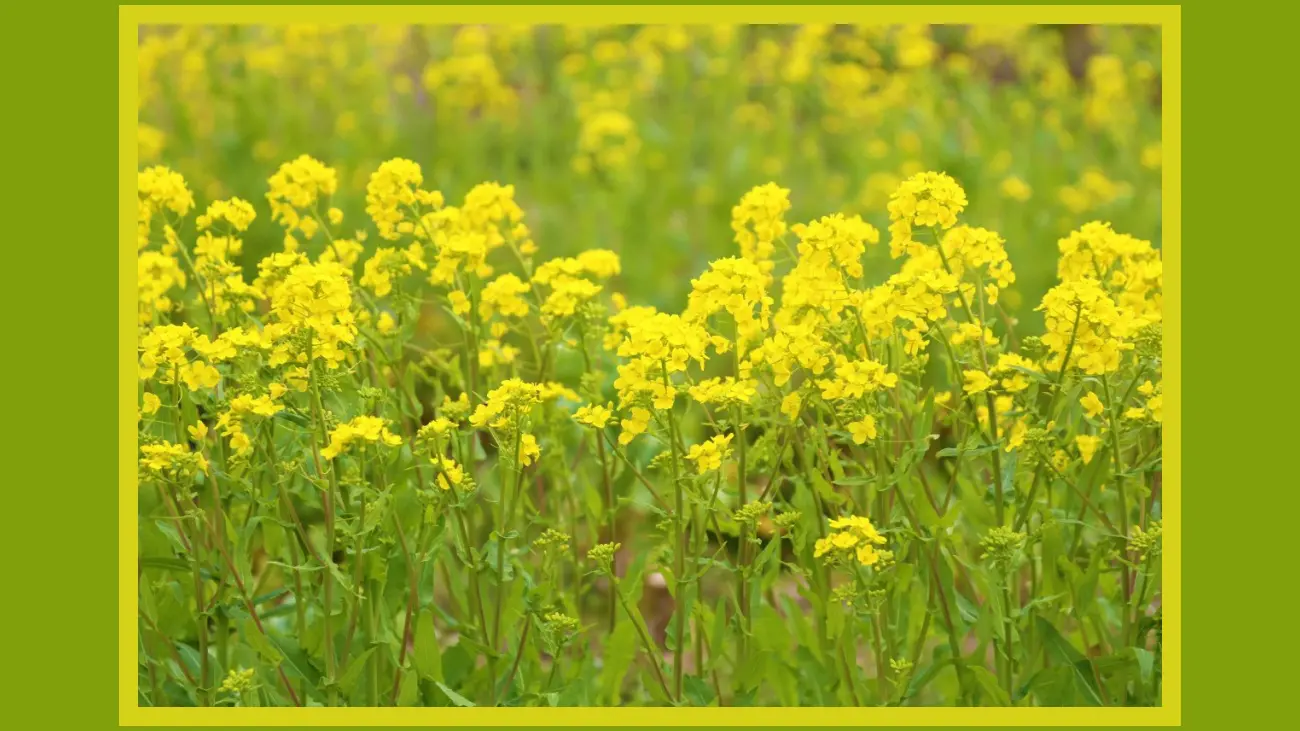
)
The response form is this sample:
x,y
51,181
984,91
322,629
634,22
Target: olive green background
x,y
60,337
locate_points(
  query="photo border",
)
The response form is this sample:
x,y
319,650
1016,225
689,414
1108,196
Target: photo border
x,y
1169,18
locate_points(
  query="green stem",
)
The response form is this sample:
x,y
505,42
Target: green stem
x,y
646,642
1113,408
679,651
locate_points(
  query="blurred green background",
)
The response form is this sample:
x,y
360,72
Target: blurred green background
x,y
640,139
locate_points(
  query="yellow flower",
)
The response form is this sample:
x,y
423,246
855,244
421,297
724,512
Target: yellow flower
x,y
709,455
316,298
863,430
593,415
151,403
758,221
926,200
198,375
529,451
1156,404
854,536
1087,446
791,404
449,473
1016,437
367,428
459,302
199,431
976,381
635,424
1092,405
296,188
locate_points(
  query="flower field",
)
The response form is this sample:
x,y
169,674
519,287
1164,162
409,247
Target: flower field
x,y
650,365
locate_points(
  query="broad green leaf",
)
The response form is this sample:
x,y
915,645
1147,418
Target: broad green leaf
x,y
260,643
409,695
619,652
428,653
1062,651
698,692
353,672
456,698
457,664
1053,686
166,564
988,683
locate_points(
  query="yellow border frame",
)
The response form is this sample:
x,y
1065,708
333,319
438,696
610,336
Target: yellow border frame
x,y
130,714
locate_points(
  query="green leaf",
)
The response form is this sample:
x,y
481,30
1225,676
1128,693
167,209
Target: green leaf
x,y
148,606
698,692
1062,651
1146,665
269,597
173,536
410,693
298,662
1053,686
428,653
834,620
457,663
824,489
928,673
989,684
837,469
619,653
166,564
260,643
717,636
353,672
456,698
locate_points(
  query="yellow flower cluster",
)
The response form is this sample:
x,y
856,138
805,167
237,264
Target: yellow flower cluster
x,y
507,404
853,536
363,429
231,422
593,415
738,287
388,263
314,300
567,284
853,379
393,196
297,190
925,200
159,190
657,345
469,80
759,221
165,352
708,456
979,249
173,461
